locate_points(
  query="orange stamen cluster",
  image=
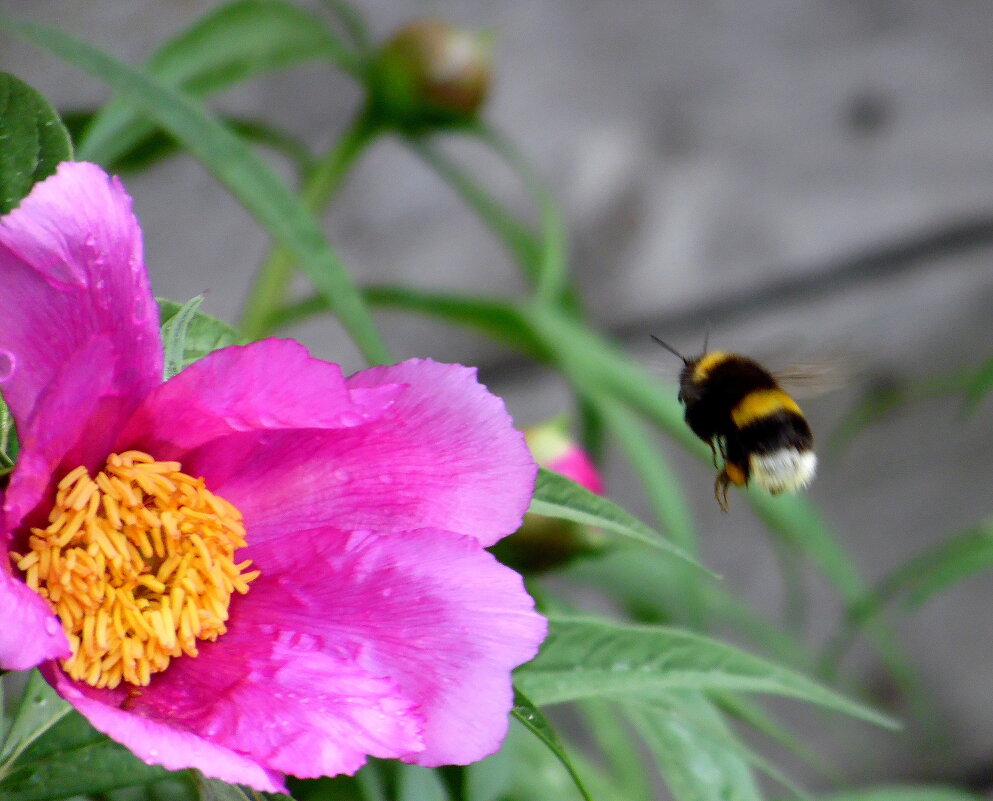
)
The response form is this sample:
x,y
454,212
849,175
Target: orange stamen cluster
x,y
138,563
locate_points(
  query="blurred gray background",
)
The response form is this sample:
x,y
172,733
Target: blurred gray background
x,y
812,178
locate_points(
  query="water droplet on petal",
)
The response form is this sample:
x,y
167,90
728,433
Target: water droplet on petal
x,y
8,363
51,625
101,294
341,474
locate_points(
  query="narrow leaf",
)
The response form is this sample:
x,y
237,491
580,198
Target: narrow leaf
x,y
40,708
89,769
216,790
584,658
247,177
917,580
561,497
33,140
908,792
230,44
532,719
186,341
698,756
174,332
980,385
420,784
618,748
9,446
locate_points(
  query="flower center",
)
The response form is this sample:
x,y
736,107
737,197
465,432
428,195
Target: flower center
x,y
138,563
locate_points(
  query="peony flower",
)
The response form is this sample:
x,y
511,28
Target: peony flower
x,y
258,567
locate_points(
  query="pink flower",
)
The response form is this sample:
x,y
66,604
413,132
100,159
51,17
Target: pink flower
x,y
552,447
361,616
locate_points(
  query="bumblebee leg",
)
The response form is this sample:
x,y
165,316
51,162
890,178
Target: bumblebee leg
x,y
713,453
721,489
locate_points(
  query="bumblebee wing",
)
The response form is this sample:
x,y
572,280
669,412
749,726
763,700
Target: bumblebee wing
x,y
816,378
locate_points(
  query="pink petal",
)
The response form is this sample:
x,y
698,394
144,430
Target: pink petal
x,y
30,633
159,743
272,384
71,259
290,700
443,455
435,613
75,419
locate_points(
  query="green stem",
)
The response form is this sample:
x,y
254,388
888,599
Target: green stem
x,y
274,276
552,285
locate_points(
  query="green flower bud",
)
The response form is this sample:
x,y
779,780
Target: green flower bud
x,y
430,74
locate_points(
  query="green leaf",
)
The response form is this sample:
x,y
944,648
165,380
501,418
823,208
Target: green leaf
x,y
743,709
561,497
980,385
489,779
618,748
662,486
420,784
698,756
9,445
585,658
216,790
521,242
188,335
88,769
646,585
248,178
497,319
230,44
158,145
40,708
33,140
908,792
531,718
550,267
917,580
62,755
174,337
351,22
949,563
538,774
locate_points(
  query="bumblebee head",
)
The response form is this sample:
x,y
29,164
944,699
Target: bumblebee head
x,y
688,389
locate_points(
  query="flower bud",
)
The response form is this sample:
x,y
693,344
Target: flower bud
x,y
552,448
543,543
431,74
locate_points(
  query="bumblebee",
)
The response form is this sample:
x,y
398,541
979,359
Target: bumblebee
x,y
737,407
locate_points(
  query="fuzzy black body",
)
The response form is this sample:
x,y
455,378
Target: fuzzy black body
x,y
737,407
710,389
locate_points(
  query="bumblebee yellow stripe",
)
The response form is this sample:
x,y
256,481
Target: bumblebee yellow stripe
x,y
708,362
762,403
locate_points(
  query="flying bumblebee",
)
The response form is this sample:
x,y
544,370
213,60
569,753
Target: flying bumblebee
x,y
736,406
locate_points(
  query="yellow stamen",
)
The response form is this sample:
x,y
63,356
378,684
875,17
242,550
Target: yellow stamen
x,y
138,563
